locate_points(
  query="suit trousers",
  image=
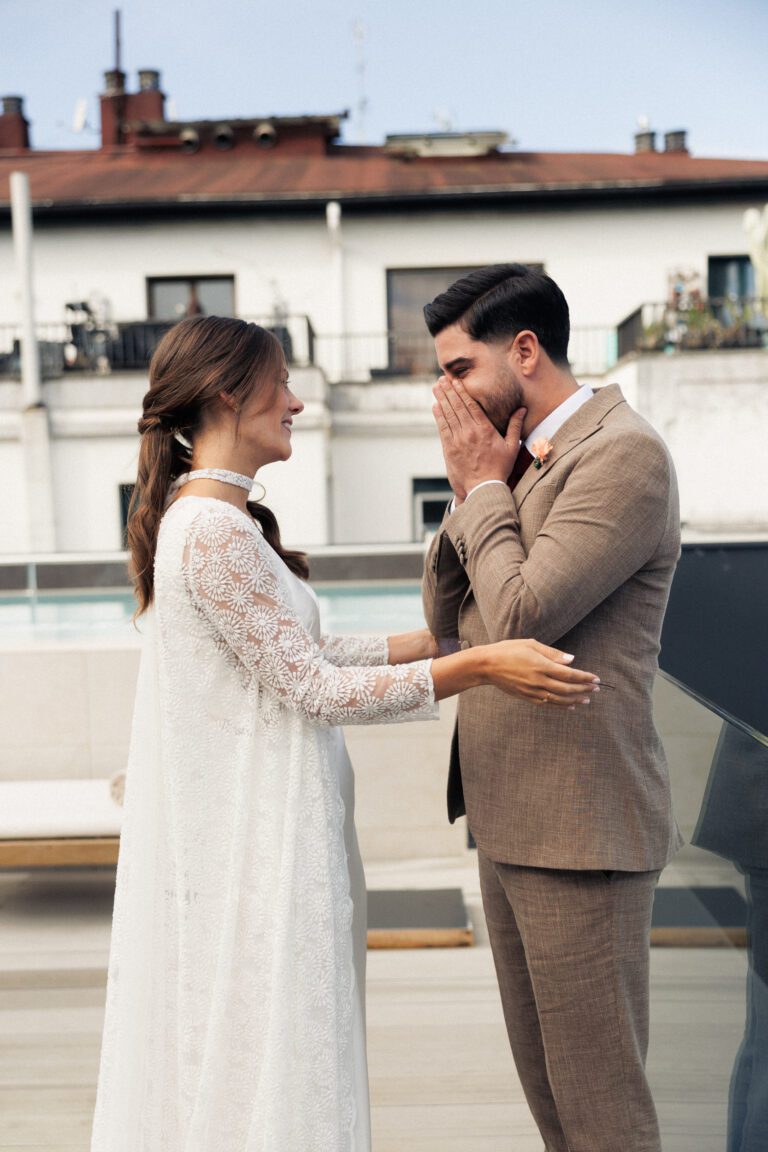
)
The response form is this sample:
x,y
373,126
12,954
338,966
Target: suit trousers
x,y
572,951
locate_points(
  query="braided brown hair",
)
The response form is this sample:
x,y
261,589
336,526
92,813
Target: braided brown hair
x,y
195,361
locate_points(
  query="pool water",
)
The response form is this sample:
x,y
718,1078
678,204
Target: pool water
x,y
70,617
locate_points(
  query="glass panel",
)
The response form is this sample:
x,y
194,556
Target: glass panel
x,y
168,299
715,635
217,297
173,299
710,926
730,276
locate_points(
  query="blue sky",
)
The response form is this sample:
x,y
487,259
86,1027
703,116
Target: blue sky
x,y
557,75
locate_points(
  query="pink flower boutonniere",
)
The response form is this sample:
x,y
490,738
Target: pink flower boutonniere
x,y
540,450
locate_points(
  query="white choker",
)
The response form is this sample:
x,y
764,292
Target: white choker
x,y
221,474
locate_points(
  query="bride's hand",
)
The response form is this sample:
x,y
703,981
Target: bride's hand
x,y
532,671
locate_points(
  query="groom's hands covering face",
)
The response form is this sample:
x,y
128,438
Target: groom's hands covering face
x,y
474,451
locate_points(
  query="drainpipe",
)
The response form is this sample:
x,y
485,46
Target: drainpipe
x,y
333,221
35,431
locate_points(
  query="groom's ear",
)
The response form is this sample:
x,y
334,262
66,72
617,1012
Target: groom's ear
x,y
525,352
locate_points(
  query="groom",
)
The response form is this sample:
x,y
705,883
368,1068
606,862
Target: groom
x,y
571,538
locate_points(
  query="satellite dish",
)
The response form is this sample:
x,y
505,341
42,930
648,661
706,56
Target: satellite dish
x,y
80,118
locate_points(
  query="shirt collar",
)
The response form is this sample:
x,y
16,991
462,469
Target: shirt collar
x,y
552,423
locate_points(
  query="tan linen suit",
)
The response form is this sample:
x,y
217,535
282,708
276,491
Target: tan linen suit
x,y
581,556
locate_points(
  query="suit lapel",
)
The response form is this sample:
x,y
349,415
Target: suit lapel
x,y
584,423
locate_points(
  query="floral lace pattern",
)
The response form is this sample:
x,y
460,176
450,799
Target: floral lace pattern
x,y
231,979
234,586
355,649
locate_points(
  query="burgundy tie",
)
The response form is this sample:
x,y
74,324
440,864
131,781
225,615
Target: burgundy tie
x,y
521,465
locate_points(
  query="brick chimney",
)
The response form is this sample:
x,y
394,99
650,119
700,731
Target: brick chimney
x,y
120,108
149,102
675,141
645,140
112,102
14,128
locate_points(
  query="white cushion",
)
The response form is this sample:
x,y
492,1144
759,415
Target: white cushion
x,y
44,809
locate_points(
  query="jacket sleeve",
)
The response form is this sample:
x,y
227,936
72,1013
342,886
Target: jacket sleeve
x,y
235,590
604,526
444,585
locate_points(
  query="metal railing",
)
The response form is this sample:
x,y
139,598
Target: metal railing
x,y
363,356
694,323
85,346
690,323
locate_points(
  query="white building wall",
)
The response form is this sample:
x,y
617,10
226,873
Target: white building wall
x,y
372,482
14,521
711,409
87,474
357,453
94,449
384,437
607,259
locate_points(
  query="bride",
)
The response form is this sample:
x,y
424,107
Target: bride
x,y
235,1001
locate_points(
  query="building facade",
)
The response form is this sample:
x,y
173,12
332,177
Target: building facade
x,y
337,248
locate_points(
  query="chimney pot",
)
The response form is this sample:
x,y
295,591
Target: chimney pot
x,y
675,141
645,141
13,106
114,82
149,80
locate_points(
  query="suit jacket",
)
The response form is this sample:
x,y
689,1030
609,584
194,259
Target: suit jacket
x,y
580,556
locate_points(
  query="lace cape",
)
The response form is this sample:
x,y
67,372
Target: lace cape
x,y
231,976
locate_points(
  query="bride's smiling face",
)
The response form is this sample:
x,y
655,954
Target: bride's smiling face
x,y
266,419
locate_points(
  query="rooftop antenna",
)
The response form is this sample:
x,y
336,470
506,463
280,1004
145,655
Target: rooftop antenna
x,y
358,35
117,40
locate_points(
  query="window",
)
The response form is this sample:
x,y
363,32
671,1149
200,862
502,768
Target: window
x,y
430,498
411,349
126,495
171,298
408,289
729,277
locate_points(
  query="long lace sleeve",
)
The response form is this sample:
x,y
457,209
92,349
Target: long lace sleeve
x,y
233,586
361,650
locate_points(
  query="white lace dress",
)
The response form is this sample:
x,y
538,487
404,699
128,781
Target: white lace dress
x,y
235,1010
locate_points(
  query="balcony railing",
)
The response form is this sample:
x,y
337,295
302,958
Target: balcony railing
x,y
359,357
127,346
695,323
362,356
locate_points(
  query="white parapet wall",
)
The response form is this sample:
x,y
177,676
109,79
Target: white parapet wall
x,y
712,410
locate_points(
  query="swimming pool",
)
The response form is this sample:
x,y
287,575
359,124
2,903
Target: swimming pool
x,y
104,616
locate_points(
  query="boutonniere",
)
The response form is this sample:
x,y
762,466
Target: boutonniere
x,y
540,450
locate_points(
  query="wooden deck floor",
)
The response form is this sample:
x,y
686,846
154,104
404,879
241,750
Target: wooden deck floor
x,y
442,1079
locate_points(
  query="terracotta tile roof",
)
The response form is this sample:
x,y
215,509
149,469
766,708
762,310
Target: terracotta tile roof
x,y
127,177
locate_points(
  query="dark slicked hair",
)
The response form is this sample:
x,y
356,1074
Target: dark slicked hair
x,y
497,302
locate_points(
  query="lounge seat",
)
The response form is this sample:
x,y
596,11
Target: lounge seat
x,y
58,823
